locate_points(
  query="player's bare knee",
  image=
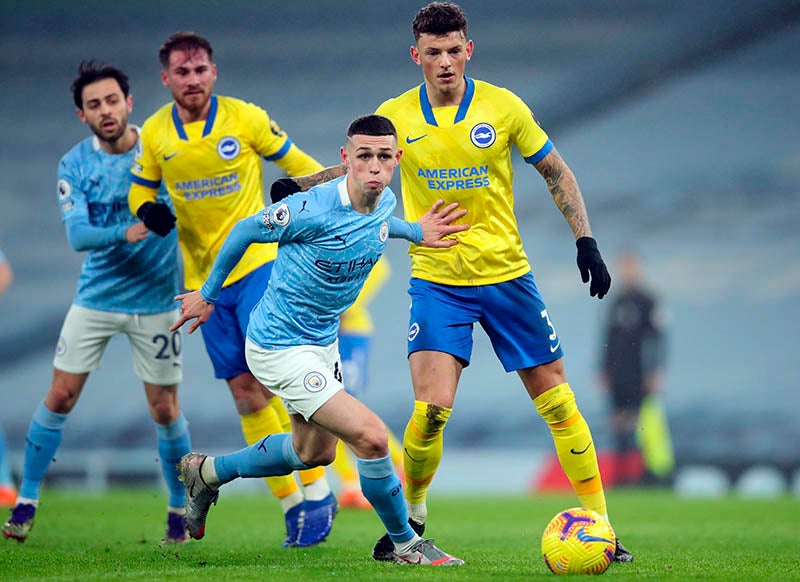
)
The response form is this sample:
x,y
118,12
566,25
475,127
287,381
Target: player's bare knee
x,y
372,443
317,456
61,399
248,394
540,379
324,458
162,402
248,402
164,412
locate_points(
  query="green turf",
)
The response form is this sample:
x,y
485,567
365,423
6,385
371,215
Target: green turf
x,y
115,537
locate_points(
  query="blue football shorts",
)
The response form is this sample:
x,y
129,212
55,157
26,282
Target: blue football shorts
x,y
225,331
354,351
512,313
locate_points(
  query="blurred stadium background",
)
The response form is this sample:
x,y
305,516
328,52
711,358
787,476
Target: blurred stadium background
x,y
679,119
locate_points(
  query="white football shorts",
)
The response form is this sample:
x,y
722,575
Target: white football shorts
x,y
305,377
156,350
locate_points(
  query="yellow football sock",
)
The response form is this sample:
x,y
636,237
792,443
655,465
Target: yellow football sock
x,y
307,476
423,442
574,445
396,452
344,464
345,467
256,426
283,416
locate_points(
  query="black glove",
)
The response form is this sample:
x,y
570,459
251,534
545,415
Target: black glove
x,y
590,262
157,217
282,188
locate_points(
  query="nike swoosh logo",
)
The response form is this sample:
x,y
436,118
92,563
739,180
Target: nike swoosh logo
x,y
410,140
586,537
169,157
574,452
405,450
555,347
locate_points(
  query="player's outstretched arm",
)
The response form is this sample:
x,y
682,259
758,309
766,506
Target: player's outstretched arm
x,y
567,195
199,304
284,187
437,224
83,236
432,227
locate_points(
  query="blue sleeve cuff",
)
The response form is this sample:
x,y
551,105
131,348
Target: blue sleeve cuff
x,y
281,152
82,236
154,184
540,155
121,233
210,291
410,231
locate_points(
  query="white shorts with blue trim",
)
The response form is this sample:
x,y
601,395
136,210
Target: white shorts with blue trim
x,y
305,377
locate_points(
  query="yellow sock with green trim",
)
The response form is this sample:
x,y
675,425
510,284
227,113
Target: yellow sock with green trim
x,y
256,426
574,445
307,476
423,442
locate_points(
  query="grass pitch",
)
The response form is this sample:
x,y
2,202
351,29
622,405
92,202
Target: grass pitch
x,y
116,536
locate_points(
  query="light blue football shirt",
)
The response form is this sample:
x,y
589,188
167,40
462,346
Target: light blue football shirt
x,y
117,276
325,251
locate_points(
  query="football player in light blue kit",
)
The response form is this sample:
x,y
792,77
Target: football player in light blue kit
x,y
329,238
127,285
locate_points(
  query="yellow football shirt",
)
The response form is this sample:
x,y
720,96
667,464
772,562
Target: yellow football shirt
x,y
213,172
463,154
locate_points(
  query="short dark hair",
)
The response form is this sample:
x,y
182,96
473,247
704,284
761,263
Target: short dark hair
x,y
92,71
439,19
371,125
183,41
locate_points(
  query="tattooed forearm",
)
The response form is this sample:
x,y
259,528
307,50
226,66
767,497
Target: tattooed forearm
x,y
306,182
565,191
